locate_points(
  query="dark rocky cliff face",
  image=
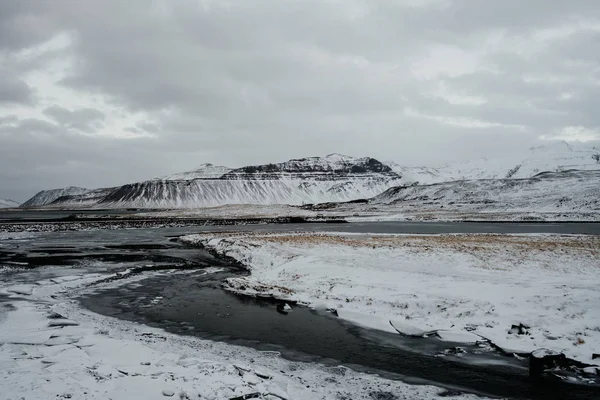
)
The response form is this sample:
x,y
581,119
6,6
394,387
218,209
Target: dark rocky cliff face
x,y
331,167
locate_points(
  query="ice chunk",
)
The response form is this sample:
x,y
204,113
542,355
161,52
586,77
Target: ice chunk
x,y
541,353
408,329
25,290
457,336
366,320
60,340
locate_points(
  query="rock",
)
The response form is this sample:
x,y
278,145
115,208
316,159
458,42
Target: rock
x,y
281,309
55,315
61,340
333,311
168,393
287,307
519,330
262,374
595,355
543,359
450,393
62,322
454,351
590,371
254,395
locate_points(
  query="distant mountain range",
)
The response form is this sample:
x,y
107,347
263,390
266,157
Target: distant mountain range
x,y
334,178
308,180
571,194
5,203
555,157
46,197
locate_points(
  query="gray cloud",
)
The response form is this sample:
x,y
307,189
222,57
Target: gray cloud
x,y
86,120
13,90
238,83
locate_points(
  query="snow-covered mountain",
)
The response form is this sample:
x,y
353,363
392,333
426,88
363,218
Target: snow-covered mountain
x,y
6,203
578,190
559,156
421,175
48,196
554,157
307,180
572,193
334,178
331,167
204,171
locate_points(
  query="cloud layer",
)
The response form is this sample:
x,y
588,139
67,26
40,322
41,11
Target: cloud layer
x,y
97,93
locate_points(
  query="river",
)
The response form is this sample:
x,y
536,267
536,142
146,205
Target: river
x,y
194,304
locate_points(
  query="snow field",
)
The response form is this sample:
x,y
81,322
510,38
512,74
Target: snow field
x,y
461,285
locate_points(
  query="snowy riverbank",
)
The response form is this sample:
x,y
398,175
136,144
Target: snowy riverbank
x,y
52,348
464,286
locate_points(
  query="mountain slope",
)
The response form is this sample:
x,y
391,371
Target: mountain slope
x,y
558,156
307,180
338,178
421,175
570,193
204,171
331,167
48,196
6,203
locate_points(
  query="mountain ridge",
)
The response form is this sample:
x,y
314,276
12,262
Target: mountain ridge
x,y
8,203
297,181
333,178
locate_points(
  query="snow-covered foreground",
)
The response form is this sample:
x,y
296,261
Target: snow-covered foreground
x,y
464,286
51,348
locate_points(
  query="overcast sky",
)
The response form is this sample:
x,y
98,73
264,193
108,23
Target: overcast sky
x,y
99,93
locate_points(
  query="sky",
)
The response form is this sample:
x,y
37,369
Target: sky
x,y
101,93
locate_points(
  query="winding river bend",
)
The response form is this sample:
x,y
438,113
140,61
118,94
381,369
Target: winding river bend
x,y
194,304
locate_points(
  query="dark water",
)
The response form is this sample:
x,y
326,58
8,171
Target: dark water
x,y
16,215
403,227
195,305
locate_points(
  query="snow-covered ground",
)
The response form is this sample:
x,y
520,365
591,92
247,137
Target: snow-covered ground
x,y
464,286
51,348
